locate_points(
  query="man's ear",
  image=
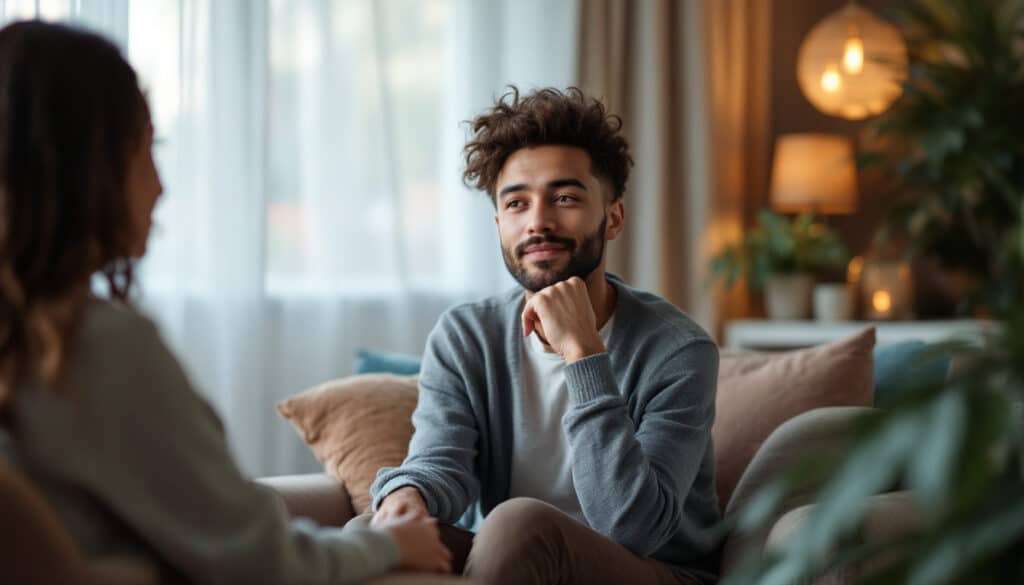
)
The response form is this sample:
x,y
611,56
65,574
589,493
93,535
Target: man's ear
x,y
616,219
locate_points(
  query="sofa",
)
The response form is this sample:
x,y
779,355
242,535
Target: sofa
x,y
325,499
802,403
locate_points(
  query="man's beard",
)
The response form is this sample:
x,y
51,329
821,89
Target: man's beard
x,y
582,261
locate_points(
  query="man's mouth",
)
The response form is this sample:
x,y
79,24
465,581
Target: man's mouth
x,y
544,248
545,251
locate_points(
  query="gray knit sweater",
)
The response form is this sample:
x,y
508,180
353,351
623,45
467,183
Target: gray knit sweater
x,y
135,463
638,424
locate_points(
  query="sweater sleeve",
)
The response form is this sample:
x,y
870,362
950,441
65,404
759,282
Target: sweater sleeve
x,y
443,449
632,477
155,453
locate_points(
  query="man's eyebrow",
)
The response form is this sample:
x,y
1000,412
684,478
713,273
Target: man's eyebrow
x,y
551,185
566,183
511,188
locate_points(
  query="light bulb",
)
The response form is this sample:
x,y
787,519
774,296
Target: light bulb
x,y
881,301
831,80
853,55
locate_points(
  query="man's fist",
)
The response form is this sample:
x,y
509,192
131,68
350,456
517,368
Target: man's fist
x,y
564,317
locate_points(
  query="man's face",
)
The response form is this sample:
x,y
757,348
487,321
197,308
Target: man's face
x,y
551,214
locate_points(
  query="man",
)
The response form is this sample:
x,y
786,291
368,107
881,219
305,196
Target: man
x,y
576,411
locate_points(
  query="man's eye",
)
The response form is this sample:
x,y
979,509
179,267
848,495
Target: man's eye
x,y
512,204
565,198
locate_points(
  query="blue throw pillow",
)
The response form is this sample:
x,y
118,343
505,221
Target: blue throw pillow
x,y
383,362
905,365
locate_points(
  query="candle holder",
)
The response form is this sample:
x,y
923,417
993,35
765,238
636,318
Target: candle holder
x,y
887,290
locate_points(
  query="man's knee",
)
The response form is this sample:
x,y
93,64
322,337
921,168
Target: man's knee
x,y
522,516
520,542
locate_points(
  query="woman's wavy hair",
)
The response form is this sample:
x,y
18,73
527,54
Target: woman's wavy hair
x,y
71,117
542,117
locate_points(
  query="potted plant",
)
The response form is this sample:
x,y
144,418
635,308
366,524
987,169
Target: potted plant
x,y
781,257
953,141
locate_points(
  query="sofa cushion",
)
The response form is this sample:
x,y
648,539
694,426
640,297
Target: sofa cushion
x,y
386,362
905,365
355,426
757,392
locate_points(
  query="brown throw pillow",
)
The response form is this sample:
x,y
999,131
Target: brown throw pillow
x,y
757,392
355,426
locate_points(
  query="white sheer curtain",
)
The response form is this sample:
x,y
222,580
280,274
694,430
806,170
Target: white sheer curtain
x,y
310,151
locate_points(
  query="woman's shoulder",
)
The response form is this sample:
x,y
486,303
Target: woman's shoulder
x,y
114,321
111,331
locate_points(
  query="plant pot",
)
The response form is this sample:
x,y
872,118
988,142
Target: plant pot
x,y
834,302
788,296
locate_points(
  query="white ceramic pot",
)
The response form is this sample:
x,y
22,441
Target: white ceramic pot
x,y
834,302
788,296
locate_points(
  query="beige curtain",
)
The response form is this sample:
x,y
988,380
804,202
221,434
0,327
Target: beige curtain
x,y
738,48
631,57
690,79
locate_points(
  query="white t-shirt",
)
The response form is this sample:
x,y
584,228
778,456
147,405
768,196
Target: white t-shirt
x,y
541,456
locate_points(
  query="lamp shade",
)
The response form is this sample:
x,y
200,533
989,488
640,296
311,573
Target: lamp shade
x,y
852,63
814,173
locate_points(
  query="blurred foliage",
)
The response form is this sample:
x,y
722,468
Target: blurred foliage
x,y
958,447
779,246
954,141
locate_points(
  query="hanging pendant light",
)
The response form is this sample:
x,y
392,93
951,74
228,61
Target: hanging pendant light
x,y
852,63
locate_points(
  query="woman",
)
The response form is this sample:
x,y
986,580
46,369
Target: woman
x,y
95,410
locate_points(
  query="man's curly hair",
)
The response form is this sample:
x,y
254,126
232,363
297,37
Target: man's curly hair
x,y
546,116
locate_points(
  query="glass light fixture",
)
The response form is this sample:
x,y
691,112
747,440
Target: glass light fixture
x,y
888,290
852,63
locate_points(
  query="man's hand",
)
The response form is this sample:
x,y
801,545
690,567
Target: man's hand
x,y
563,316
401,502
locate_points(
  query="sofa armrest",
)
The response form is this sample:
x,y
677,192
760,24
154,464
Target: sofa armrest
x,y
887,517
822,432
316,496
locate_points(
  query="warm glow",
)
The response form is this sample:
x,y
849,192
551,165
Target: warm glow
x,y
813,172
853,56
830,80
881,301
853,269
852,64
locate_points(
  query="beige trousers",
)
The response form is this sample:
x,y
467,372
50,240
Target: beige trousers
x,y
527,542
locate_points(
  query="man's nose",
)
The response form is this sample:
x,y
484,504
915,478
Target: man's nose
x,y
541,219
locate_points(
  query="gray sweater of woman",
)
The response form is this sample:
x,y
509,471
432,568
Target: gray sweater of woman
x,y
638,425
135,463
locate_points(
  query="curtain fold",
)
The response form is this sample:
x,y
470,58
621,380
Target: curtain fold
x,y
691,81
632,55
738,49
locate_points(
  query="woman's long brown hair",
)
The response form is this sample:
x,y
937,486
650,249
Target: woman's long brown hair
x,y
71,115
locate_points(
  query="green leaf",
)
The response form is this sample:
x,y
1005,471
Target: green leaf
x,y
961,548
930,471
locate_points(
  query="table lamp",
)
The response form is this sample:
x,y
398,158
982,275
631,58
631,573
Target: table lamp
x,y
813,173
